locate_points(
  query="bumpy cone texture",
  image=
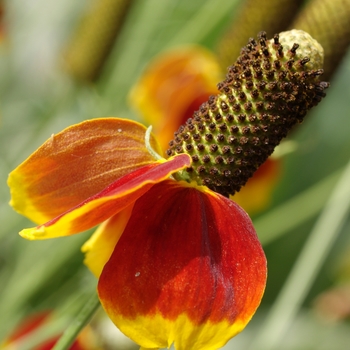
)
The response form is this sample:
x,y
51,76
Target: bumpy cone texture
x,y
269,89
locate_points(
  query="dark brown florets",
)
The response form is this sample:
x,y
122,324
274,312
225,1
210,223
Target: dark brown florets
x,y
267,91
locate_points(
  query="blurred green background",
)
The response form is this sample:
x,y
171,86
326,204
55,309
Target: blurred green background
x,y
301,230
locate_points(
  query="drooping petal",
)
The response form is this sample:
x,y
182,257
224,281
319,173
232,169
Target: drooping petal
x,y
107,203
99,248
75,164
188,269
174,85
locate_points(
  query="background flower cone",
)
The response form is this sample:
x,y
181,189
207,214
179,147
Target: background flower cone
x,y
254,16
328,21
94,38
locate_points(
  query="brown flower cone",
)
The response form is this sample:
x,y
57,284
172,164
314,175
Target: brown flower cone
x,y
271,16
328,21
268,90
94,38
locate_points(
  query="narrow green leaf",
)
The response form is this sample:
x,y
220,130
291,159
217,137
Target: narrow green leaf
x,y
289,215
78,324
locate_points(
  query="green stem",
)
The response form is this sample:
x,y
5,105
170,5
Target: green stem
x,y
82,319
297,210
203,22
307,267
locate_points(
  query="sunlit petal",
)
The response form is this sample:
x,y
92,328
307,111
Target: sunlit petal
x,y
188,269
114,198
75,164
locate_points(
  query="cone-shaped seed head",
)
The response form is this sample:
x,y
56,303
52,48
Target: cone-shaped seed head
x,y
270,88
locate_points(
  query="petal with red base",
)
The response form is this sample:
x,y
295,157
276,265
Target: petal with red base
x,y
188,269
114,198
77,163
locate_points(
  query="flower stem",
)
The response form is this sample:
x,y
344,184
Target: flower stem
x,y
84,316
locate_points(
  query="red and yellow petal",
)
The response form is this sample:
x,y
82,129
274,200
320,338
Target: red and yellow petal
x,y
75,164
188,269
174,85
107,203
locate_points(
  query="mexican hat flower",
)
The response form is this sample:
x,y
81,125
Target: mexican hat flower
x,y
177,260
175,84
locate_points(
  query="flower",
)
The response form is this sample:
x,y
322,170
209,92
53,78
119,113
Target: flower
x,y
174,85
177,260
171,257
